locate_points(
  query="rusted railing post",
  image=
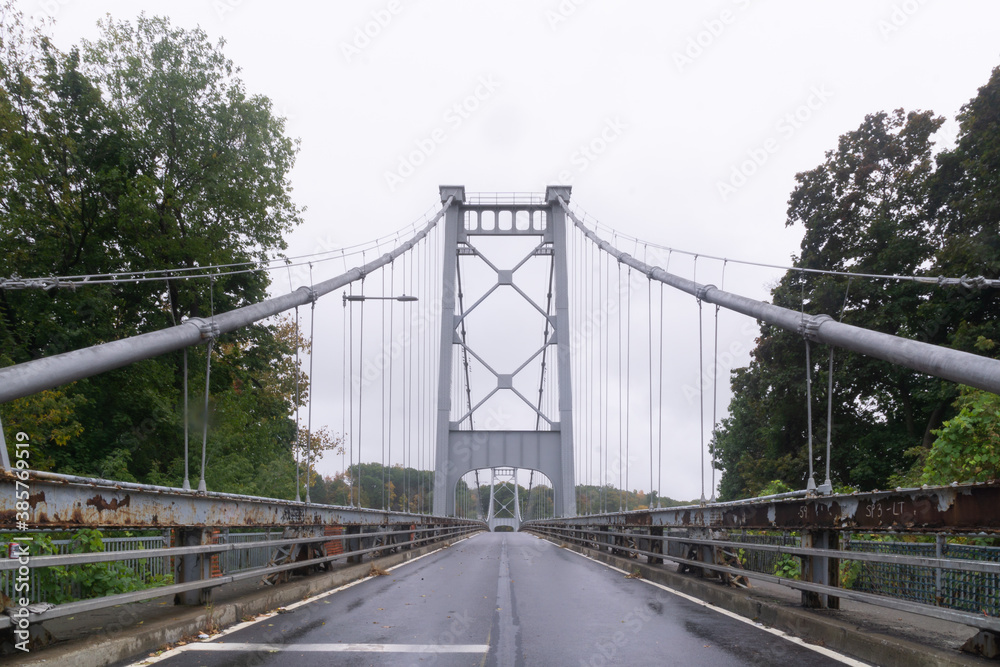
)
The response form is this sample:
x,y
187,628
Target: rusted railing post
x,y
656,545
193,567
820,569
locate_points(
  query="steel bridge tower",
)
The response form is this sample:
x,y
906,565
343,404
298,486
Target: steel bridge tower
x,y
505,479
548,451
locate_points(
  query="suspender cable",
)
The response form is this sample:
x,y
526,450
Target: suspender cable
x,y
354,472
606,282
312,355
173,319
628,379
649,338
828,484
298,382
187,479
344,402
715,377
621,402
361,388
204,435
383,389
391,419
659,414
405,503
811,484
701,399
208,370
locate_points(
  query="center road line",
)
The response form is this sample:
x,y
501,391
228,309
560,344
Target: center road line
x,y
338,648
508,632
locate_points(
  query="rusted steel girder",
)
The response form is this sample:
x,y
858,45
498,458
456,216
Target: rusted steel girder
x,y
65,502
973,508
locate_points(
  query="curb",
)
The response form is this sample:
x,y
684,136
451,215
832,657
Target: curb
x,y
832,633
134,642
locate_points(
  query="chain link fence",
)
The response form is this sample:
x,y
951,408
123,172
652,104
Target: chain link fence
x,y
974,592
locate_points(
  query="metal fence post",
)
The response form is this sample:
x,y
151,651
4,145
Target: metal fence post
x,y
192,567
352,544
655,545
939,549
820,569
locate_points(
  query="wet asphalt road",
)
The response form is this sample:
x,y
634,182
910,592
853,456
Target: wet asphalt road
x,y
500,599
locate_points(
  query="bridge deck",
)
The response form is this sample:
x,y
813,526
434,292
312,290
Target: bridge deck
x,y
500,599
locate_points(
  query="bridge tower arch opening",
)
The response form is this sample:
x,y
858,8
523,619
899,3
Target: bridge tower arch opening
x,y
464,444
504,497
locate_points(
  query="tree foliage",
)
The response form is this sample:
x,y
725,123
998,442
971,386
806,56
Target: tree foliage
x,y
143,150
880,203
967,448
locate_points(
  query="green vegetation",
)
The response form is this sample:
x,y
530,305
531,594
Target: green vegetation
x,y
64,583
881,203
788,566
143,150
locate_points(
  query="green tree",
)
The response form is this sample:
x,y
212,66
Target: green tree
x,y
967,448
862,210
143,150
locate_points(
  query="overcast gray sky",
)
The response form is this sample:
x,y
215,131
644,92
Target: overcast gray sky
x,y
671,98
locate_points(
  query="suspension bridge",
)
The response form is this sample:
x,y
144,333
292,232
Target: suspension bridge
x,y
505,351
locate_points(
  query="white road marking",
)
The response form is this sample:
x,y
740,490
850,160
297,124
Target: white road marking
x,y
743,619
263,617
337,648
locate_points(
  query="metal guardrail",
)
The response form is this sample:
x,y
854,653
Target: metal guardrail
x,y
144,567
204,553
711,551
356,541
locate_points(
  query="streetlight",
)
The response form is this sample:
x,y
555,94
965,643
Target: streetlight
x,y
362,297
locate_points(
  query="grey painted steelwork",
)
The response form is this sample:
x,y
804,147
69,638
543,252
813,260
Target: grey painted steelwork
x,y
502,477
460,451
66,501
196,583
955,365
967,508
40,374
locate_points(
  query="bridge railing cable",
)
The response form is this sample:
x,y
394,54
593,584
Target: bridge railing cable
x,y
946,363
